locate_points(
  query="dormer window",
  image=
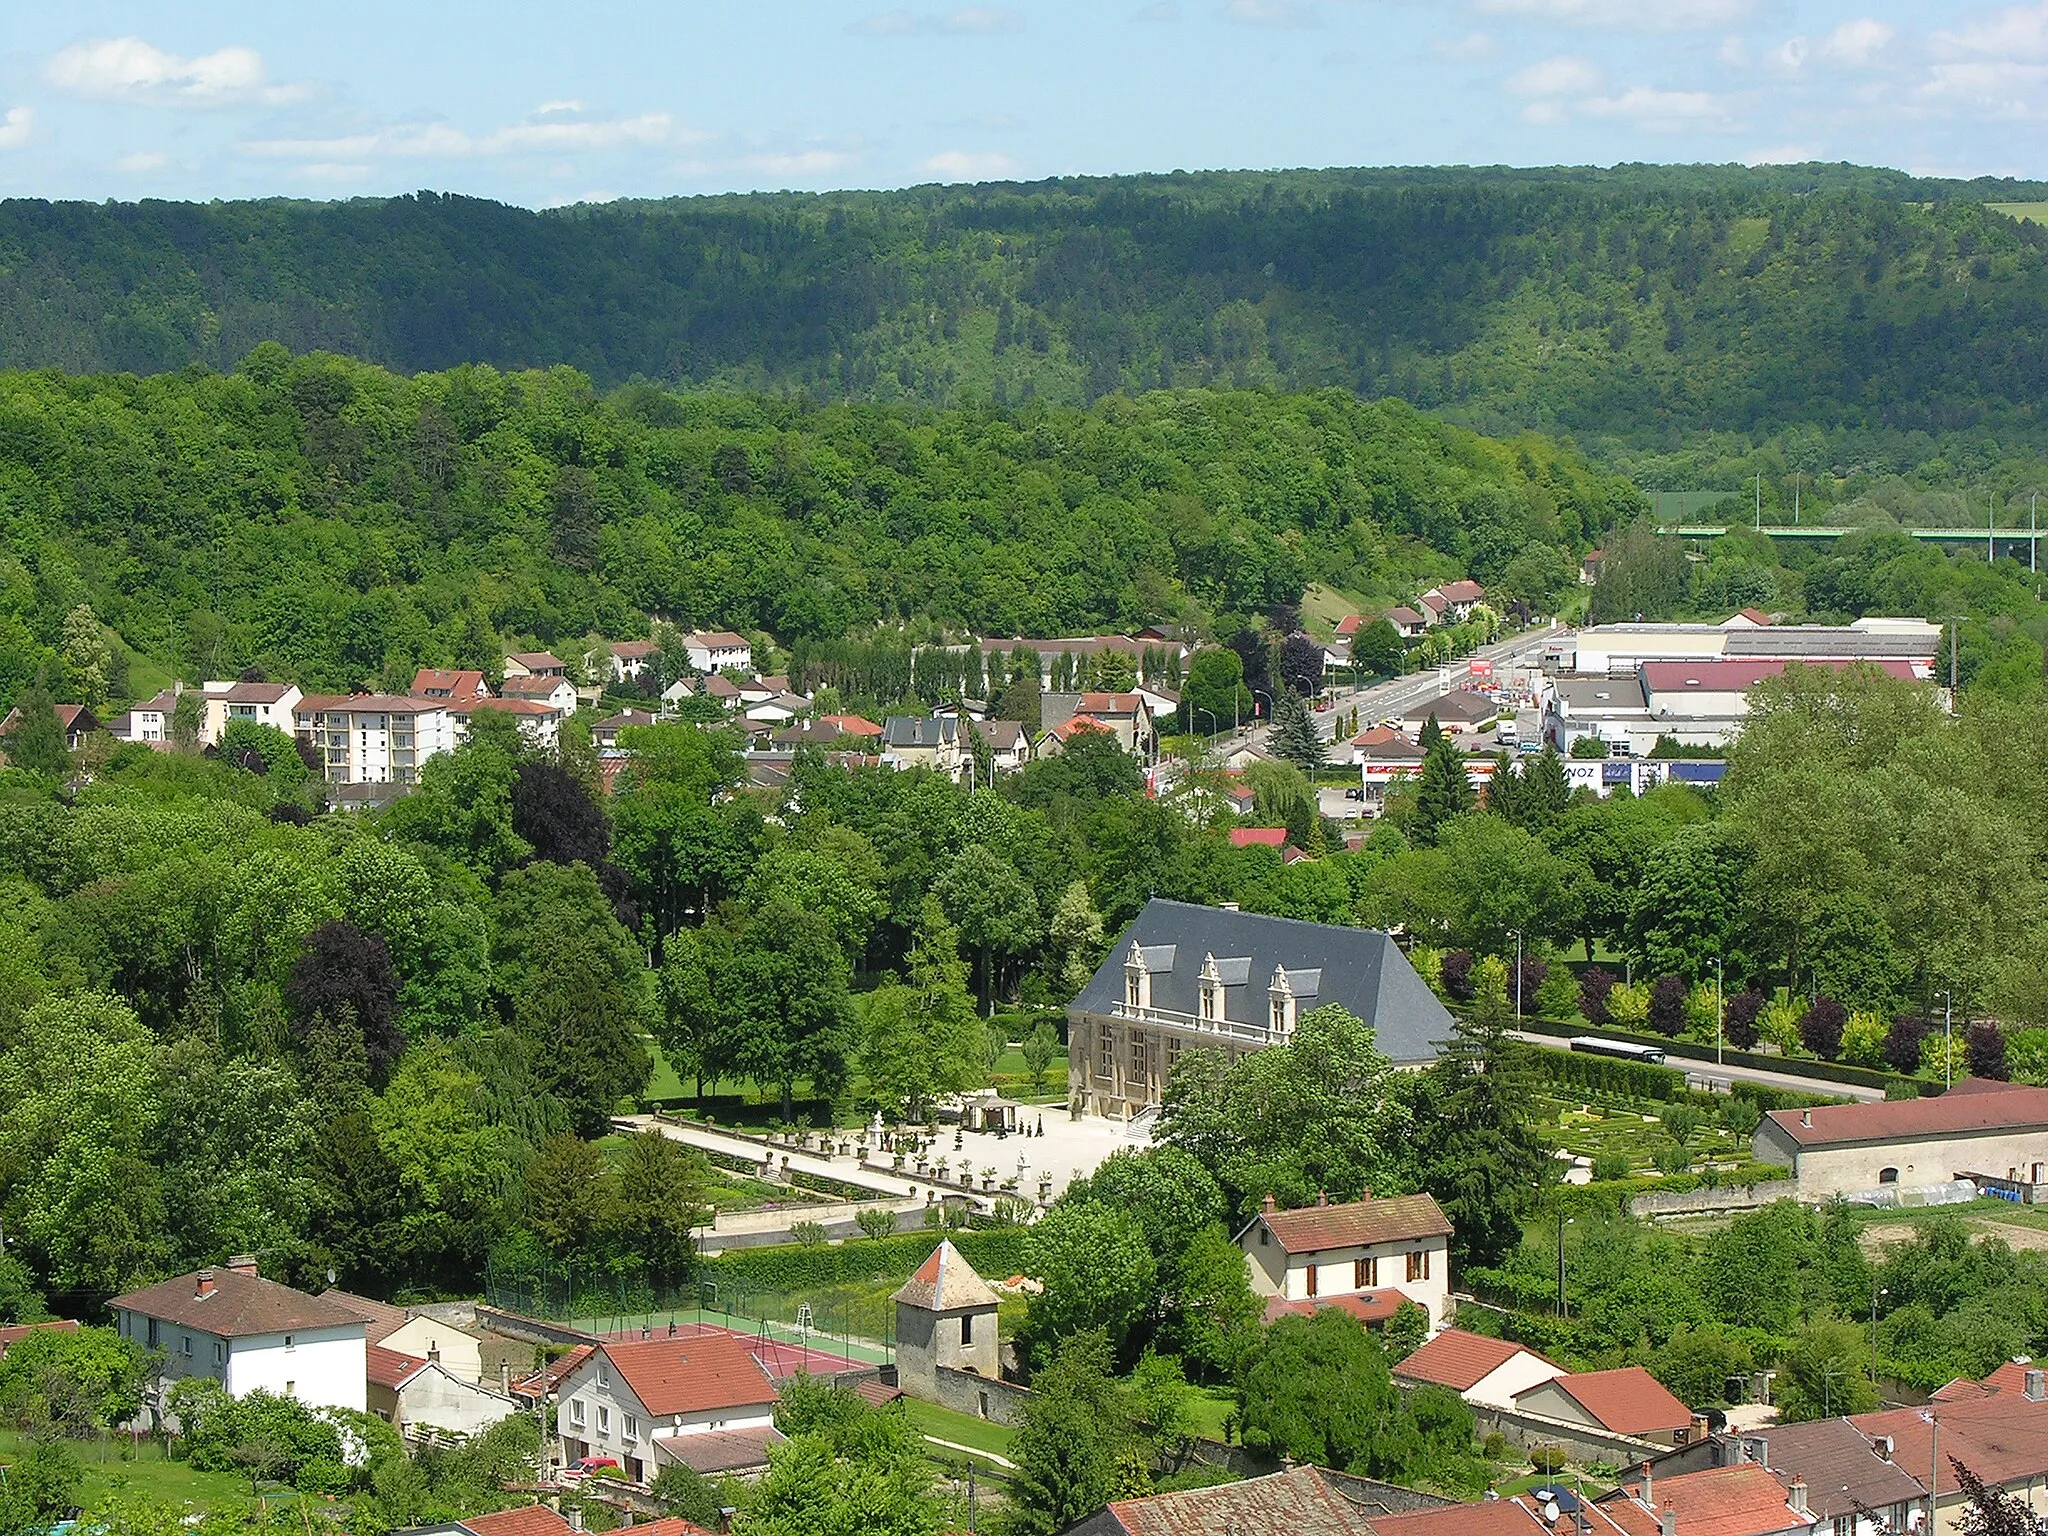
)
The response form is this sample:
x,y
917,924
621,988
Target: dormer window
x,y
1281,998
1137,980
1212,991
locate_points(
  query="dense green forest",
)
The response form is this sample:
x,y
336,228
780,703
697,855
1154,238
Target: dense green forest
x,y
1641,305
337,524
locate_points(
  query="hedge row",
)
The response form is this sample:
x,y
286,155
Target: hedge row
x,y
996,1252
1692,1050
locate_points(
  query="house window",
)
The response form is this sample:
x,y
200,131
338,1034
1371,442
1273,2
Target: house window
x,y
1279,1016
967,1329
220,1352
1845,1525
576,1410
603,1377
1418,1265
1105,1052
291,1389
153,1337
1265,1235
1311,1273
184,1341
1138,1073
1172,1054
1365,1274
1887,1175
632,1428
604,1419
1131,990
288,1344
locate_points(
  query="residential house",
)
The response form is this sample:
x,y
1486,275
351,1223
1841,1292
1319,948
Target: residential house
x,y
375,738
423,1398
1590,566
1126,714
1407,622
1349,626
1399,1245
540,723
1258,837
1009,744
628,1399
534,664
777,709
1435,610
1740,1500
922,741
77,722
829,731
1556,1510
674,694
1849,1481
630,658
1301,1501
417,1334
457,684
1486,1373
717,650
1183,975
549,688
2001,1436
1626,1401
150,721
605,734
1385,757
1458,713
248,1333
1979,1128
1057,737
1159,699
541,1520
1747,618
1454,601
14,1333
240,703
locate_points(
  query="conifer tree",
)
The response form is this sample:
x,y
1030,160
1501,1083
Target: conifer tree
x,y
1294,734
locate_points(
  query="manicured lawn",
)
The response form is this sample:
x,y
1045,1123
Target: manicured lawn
x,y
960,1428
1209,1407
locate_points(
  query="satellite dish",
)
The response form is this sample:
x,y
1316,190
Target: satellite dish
x,y
1550,1511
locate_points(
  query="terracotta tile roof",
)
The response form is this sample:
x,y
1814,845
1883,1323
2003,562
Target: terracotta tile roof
x,y
1068,729
1629,1401
1264,837
722,1450
1402,614
634,650
388,1367
1315,1228
537,661
945,1282
1969,1107
1462,591
851,725
1756,616
1838,1463
1729,1501
672,1376
2002,1438
528,708
14,1333
670,1527
1460,1360
549,1376
2009,1377
1109,704
530,687
624,718
719,686
528,1520
717,639
238,1306
1300,1502
448,683
382,1318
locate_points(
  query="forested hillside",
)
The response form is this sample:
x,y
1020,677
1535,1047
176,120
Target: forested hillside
x,y
1636,304
338,525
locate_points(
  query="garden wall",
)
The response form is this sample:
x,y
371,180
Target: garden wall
x,y
1000,1402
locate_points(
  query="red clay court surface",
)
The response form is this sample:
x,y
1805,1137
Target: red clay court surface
x,y
778,1356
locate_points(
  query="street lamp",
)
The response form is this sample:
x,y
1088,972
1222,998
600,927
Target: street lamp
x,y
1717,1012
1260,693
1948,1040
1215,725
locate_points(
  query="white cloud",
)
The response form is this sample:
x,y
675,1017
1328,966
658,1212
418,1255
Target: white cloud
x,y
2004,90
1627,15
1783,154
1661,111
129,69
550,108
16,126
423,141
1292,14
1857,43
1473,45
142,162
967,21
968,165
1567,75
2019,31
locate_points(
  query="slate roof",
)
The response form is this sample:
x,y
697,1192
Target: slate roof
x,y
239,1306
1629,1401
672,1376
1460,1360
1972,1107
919,731
1356,1224
945,1282
1362,968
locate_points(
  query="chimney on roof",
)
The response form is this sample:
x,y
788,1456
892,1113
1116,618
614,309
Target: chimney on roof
x,y
625,1517
1266,1206
202,1283
1322,1197
1667,1522
242,1264
574,1515
2036,1385
1796,1496
1806,1118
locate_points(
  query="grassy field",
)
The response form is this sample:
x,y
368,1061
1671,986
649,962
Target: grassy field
x,y
110,1470
2026,213
960,1428
1209,1407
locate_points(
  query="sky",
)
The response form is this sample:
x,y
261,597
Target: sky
x,y
546,104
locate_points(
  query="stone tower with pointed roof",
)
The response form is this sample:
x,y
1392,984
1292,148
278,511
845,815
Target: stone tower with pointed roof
x,y
945,1318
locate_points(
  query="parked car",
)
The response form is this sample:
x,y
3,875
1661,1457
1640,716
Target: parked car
x,y
582,1467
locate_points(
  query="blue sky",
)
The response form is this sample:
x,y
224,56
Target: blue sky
x,y
544,104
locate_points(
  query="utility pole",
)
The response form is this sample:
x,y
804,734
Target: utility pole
x,y
1948,1040
1718,1012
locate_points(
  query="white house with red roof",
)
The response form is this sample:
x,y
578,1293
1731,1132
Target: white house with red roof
x,y
449,683
422,1397
629,658
1399,1245
1486,1373
629,1397
240,703
717,650
1979,1127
